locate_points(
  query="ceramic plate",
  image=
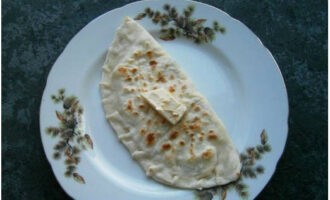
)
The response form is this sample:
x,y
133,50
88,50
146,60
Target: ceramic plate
x,y
236,73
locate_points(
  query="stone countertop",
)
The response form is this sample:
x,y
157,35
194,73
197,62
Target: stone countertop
x,y
34,33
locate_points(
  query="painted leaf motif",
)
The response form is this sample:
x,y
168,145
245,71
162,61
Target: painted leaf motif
x,y
69,132
167,37
89,140
68,152
140,16
223,194
263,137
59,116
200,21
78,178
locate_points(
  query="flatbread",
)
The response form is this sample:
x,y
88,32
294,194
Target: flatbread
x,y
193,152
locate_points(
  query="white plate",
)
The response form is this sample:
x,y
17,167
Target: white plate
x,y
236,73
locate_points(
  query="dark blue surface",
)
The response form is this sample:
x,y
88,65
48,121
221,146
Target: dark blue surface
x,y
34,33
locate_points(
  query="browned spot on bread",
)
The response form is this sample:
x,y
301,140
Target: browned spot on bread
x,y
160,77
171,89
137,54
191,151
128,78
149,122
150,139
145,84
149,54
207,154
153,63
122,70
195,126
150,78
142,106
171,77
197,108
184,127
166,146
196,120
163,121
174,135
201,136
135,113
136,78
212,135
192,137
155,88
129,105
142,132
134,70
184,87
181,143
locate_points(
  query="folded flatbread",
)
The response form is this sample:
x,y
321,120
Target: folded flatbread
x,y
166,124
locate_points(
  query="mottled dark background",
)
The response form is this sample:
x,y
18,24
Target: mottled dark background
x,y
34,33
